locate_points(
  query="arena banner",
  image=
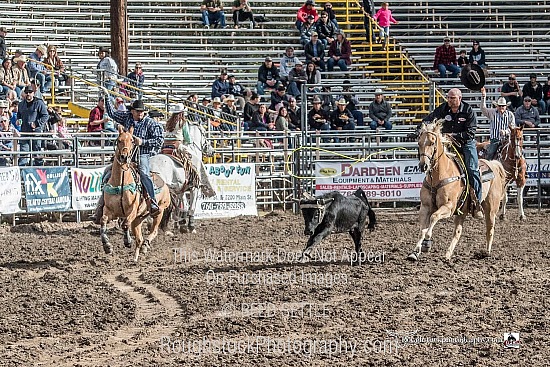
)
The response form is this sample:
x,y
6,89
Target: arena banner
x,y
235,186
47,189
533,171
381,180
86,187
10,190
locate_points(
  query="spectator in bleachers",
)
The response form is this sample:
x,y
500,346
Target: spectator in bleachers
x,y
500,120
21,73
3,48
230,111
220,87
297,78
237,90
477,55
216,112
308,28
463,60
325,29
331,15
511,91
315,52
268,76
527,115
4,109
249,108
339,53
367,6
8,79
97,117
34,115
546,94
313,77
380,112
35,85
37,70
533,89
242,12
7,133
318,118
352,103
212,13
278,96
288,61
107,69
385,19
14,107
55,62
341,118
205,108
63,132
136,79
260,120
445,59
294,112
328,102
283,121
307,9
119,104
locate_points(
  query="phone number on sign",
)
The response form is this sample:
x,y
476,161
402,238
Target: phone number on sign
x,y
216,205
383,194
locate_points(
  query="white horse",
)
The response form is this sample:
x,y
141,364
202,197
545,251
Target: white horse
x,y
186,179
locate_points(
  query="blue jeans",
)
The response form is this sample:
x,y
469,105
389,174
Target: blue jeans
x,y
492,149
348,126
472,166
384,31
294,88
25,146
341,64
452,68
374,125
542,106
358,116
260,87
209,18
145,175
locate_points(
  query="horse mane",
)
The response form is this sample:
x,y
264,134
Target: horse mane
x,y
173,121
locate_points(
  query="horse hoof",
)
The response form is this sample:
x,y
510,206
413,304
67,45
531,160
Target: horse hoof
x,y
426,245
413,256
107,248
502,217
169,233
145,247
192,230
522,217
183,230
128,244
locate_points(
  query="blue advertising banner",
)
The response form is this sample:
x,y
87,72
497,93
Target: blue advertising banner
x,y
47,189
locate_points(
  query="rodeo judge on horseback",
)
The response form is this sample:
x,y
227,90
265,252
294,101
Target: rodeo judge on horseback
x,y
460,124
148,135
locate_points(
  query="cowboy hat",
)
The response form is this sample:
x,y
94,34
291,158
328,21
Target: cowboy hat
x,y
473,77
178,108
342,101
216,100
21,58
229,98
43,50
137,105
378,92
502,102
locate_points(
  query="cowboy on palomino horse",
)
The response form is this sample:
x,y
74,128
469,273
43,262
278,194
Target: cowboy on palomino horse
x,y
148,135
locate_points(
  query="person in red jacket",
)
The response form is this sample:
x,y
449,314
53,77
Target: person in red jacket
x,y
339,53
307,9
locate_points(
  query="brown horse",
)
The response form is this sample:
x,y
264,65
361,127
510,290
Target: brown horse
x,y
443,189
123,198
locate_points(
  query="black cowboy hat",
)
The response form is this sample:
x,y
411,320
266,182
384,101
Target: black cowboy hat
x,y
473,77
137,105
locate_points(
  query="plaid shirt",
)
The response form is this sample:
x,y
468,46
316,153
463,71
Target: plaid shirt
x,y
148,130
445,55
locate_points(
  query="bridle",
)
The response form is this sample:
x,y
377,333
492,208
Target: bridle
x,y
433,161
518,152
119,153
205,146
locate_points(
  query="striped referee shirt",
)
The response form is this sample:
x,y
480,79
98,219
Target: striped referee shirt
x,y
148,130
498,121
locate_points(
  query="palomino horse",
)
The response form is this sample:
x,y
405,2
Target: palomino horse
x,y
443,189
123,198
185,179
511,157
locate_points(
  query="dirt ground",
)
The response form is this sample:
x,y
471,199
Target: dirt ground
x,y
235,294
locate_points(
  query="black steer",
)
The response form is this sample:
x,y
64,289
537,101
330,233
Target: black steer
x,y
335,213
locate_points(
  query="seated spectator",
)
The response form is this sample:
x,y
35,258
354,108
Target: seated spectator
x,y
237,90
445,59
242,12
313,77
352,102
55,62
317,118
7,133
63,132
220,87
21,73
325,29
14,107
288,61
3,33
533,89
4,109
511,91
527,115
119,104
206,110
339,53
283,121
297,78
268,76
315,52
249,108
328,102
230,113
308,28
260,120
546,94
341,118
107,69
463,60
331,15
477,55
39,71
380,112
212,13
216,123
97,117
136,79
8,79
278,96
294,112
307,9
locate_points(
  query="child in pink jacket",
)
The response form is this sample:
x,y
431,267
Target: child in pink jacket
x,y
384,18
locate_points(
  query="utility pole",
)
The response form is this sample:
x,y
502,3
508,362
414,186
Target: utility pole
x,y
119,34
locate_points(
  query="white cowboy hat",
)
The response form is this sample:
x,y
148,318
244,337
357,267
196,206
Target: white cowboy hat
x,y
22,58
502,102
177,108
43,50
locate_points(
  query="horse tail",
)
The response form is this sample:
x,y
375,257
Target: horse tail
x,y
372,217
166,215
498,169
